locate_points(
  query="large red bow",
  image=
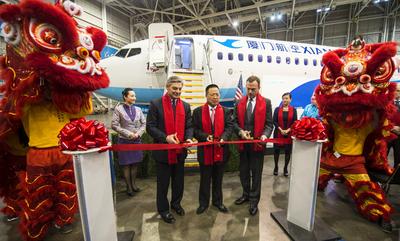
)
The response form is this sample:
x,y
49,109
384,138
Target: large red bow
x,y
81,135
309,129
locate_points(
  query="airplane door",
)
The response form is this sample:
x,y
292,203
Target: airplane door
x,y
160,38
184,53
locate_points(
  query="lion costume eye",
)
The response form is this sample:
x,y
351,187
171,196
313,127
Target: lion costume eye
x,y
45,36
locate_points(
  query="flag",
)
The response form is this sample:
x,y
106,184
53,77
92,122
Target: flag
x,y
239,89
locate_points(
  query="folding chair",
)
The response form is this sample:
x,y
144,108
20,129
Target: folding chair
x,y
384,180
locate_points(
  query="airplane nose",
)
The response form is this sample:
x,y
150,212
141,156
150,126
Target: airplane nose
x,y
82,52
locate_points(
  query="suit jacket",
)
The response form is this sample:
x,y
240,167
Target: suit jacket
x,y
268,125
201,136
155,127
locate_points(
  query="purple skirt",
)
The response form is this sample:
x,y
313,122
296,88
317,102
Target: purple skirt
x,y
129,157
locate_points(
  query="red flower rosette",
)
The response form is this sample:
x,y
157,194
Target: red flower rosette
x,y
81,135
309,129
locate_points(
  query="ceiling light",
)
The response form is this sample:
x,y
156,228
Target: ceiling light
x,y
319,10
235,23
272,18
327,9
279,16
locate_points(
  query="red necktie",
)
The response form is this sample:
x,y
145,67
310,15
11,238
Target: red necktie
x,y
212,115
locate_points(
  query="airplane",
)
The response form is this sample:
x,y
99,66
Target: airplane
x,y
223,60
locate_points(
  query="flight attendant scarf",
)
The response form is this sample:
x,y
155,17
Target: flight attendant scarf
x,y
289,121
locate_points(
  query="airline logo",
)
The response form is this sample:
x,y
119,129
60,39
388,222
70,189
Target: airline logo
x,y
269,45
229,43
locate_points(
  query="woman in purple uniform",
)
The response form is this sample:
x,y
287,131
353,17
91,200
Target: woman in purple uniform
x,y
129,122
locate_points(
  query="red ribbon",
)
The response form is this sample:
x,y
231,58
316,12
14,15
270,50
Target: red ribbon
x,y
154,147
309,129
81,135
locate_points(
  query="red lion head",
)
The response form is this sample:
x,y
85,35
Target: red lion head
x,y
355,81
49,56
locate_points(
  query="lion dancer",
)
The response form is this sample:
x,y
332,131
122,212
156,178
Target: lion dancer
x,y
50,68
355,98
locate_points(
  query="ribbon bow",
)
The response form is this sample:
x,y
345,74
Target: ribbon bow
x,y
309,129
81,135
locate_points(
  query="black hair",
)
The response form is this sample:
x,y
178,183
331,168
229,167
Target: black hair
x,y
287,93
125,92
211,86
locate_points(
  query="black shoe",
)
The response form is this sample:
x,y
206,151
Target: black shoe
x,y
241,200
179,210
253,210
386,226
285,173
221,208
130,194
201,209
137,189
64,229
168,217
276,171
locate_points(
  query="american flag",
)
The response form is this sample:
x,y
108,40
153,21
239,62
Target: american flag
x,y
239,89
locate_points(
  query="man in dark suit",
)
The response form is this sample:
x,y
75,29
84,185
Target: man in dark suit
x,y
212,122
252,120
395,119
169,120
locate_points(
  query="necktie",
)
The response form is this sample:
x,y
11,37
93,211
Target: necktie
x,y
249,109
212,115
174,106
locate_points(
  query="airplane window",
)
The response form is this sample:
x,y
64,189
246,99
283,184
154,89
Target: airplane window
x,y
260,58
296,61
230,56
219,55
134,51
122,53
269,59
314,62
278,59
305,61
287,60
250,58
240,57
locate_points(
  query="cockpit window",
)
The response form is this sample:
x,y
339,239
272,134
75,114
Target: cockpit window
x,y
122,53
133,52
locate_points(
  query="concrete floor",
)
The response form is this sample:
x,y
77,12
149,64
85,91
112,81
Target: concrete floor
x,y
138,213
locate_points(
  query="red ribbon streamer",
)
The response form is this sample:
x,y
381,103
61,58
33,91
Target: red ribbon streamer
x,y
309,129
81,135
155,147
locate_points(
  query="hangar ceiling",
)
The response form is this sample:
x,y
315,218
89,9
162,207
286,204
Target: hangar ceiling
x,y
255,18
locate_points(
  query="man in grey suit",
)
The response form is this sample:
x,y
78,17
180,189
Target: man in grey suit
x,y
174,128
252,120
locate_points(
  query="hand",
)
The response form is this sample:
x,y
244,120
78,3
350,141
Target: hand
x,y
172,139
221,142
133,136
210,138
190,141
245,134
263,137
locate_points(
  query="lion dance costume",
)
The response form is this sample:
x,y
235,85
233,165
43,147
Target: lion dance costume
x,y
50,68
355,99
